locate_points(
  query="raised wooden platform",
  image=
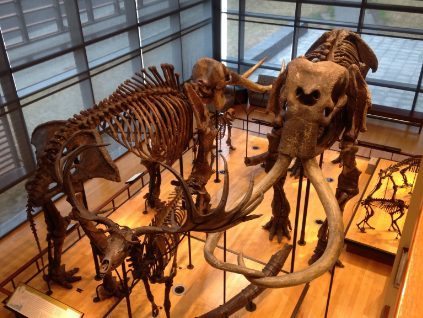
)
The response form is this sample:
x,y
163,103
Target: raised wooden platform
x,y
379,243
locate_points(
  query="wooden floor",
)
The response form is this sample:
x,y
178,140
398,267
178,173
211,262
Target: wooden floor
x,y
357,289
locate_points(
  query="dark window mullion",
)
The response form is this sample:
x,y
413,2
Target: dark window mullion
x,y
416,95
296,36
80,55
16,117
241,33
133,34
21,21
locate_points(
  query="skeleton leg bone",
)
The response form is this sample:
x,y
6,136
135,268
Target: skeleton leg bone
x,y
279,224
56,227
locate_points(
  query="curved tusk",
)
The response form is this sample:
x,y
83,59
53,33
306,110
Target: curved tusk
x,y
237,79
279,169
211,244
335,237
253,68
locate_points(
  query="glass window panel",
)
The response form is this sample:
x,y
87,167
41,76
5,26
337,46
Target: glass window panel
x,y
112,48
47,73
229,36
195,45
306,39
15,201
271,41
412,3
279,8
393,19
105,83
390,97
339,15
159,29
259,71
400,60
35,32
114,148
230,5
148,9
419,104
16,158
104,9
195,14
166,53
58,106
103,17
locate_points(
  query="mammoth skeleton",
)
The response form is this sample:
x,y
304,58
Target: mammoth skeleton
x,y
318,99
151,115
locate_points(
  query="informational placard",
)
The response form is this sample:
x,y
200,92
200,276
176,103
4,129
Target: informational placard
x,y
30,302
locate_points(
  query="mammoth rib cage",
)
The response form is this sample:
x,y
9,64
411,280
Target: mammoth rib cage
x,y
123,114
153,127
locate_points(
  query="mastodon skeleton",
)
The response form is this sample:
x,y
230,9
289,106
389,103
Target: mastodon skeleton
x,y
318,99
347,50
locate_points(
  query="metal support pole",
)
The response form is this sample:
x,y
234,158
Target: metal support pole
x,y
190,266
297,213
217,180
125,286
246,137
302,241
224,272
97,276
332,274
181,167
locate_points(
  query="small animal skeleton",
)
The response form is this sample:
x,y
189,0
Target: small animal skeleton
x,y
393,206
225,122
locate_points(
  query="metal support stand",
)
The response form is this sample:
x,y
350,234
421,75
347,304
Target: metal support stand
x,y
217,180
224,272
247,114
127,291
181,167
190,266
332,274
97,276
93,248
297,213
302,241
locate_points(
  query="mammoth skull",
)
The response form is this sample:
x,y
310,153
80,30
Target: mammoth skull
x,y
311,94
210,78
